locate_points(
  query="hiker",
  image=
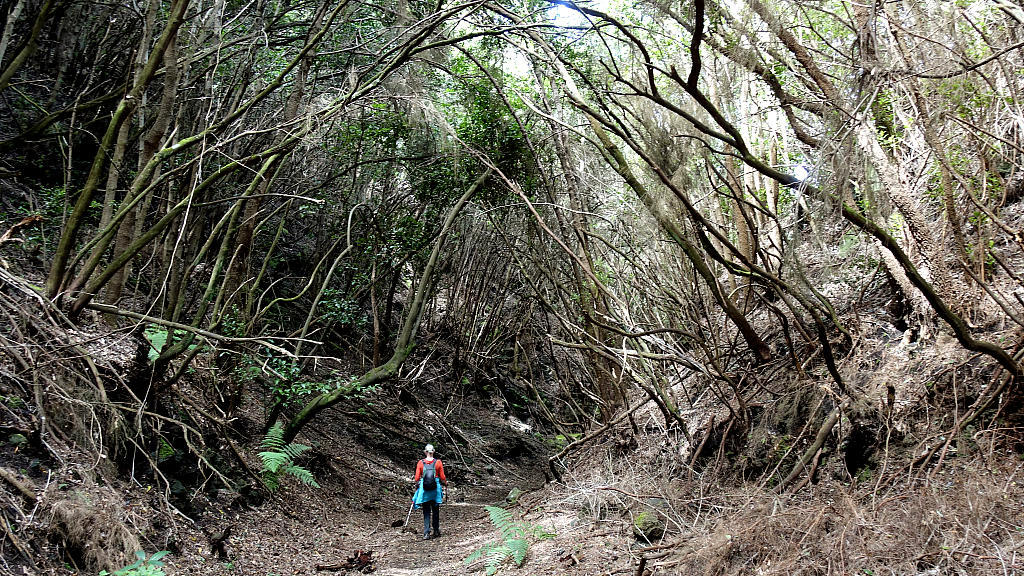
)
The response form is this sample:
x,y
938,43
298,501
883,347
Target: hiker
x,y
429,478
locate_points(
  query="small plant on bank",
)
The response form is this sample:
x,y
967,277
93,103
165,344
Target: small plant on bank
x,y
514,542
279,459
143,566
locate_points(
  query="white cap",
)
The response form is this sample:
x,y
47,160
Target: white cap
x,y
429,449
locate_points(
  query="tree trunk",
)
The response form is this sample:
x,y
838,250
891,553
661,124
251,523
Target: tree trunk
x,y
55,279
406,339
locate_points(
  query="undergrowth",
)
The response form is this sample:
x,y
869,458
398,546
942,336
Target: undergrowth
x,y
143,566
279,460
514,541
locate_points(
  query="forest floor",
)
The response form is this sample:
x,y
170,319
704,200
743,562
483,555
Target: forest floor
x,y
348,526
355,522
306,533
967,521
961,515
303,533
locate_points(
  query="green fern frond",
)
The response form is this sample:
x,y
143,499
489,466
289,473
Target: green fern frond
x,y
503,521
486,550
274,461
293,450
498,515
279,458
305,476
474,556
274,438
517,548
496,555
514,542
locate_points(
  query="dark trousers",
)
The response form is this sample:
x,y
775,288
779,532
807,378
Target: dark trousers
x,y
431,509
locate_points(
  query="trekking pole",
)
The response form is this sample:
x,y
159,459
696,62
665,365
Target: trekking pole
x,y
409,515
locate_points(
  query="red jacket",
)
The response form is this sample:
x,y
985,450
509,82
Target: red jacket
x,y
438,468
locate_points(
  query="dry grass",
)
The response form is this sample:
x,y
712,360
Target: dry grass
x,y
968,521
968,518
95,528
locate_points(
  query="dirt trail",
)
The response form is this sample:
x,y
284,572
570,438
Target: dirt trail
x,y
465,527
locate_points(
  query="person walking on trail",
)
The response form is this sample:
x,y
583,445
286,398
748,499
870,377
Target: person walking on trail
x,y
429,479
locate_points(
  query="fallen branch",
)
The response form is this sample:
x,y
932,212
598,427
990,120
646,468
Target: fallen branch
x,y
22,548
25,223
197,331
704,441
12,478
810,473
819,441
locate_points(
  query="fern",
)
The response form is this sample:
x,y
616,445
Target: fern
x,y
294,450
143,566
303,475
494,553
274,461
505,524
495,557
279,460
514,541
274,439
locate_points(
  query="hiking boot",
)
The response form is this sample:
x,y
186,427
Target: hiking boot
x,y
437,533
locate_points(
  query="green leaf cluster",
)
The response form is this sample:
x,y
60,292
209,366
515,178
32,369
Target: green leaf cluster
x,y
285,377
143,566
514,541
158,335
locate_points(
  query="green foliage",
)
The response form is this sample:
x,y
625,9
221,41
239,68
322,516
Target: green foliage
x,y
986,248
865,475
967,99
51,206
157,337
559,441
143,566
233,324
279,460
485,121
351,386
339,308
54,201
514,541
890,131
164,450
287,384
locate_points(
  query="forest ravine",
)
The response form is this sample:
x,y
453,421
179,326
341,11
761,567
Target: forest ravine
x,y
697,287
